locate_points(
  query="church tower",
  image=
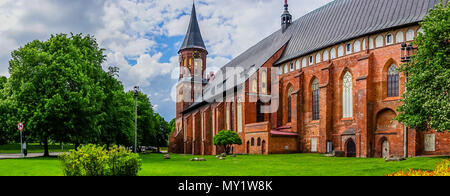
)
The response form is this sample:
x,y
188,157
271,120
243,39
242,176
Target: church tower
x,y
286,18
192,56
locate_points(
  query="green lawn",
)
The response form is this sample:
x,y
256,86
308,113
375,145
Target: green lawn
x,y
243,165
34,148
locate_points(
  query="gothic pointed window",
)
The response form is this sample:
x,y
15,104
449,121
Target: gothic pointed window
x,y
410,35
347,96
399,37
325,55
289,104
264,82
357,46
315,99
239,116
333,53
254,88
393,82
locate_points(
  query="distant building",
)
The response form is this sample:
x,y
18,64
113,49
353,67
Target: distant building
x,y
336,85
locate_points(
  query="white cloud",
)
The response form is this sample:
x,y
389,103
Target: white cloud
x,y
128,29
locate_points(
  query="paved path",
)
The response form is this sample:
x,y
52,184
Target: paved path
x,y
30,155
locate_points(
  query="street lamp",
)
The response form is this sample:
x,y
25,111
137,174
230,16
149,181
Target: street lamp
x,y
136,94
407,51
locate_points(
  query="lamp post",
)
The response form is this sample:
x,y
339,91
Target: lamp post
x,y
136,94
407,52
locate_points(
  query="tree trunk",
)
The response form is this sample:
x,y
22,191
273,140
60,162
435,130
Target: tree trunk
x,y
159,149
46,154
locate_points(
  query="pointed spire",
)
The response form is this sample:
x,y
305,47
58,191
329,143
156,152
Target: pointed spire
x,y
193,37
286,18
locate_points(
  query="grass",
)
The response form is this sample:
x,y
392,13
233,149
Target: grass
x,y
34,148
243,165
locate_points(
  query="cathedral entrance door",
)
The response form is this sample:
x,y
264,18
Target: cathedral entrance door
x,y
385,149
351,148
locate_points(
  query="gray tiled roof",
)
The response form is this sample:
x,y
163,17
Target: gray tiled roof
x,y
193,37
336,22
343,20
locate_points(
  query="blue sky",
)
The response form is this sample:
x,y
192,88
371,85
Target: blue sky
x,y
142,37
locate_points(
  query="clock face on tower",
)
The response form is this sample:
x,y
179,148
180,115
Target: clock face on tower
x,y
197,55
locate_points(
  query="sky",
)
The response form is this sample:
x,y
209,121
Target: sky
x,y
142,37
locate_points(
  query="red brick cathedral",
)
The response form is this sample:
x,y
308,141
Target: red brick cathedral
x,y
326,82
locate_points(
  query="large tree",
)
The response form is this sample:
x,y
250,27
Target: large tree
x,y
162,132
117,117
427,100
146,123
8,129
55,85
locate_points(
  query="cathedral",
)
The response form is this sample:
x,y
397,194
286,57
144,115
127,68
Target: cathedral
x,y
326,82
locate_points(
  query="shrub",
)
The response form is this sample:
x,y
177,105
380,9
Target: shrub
x,y
226,138
123,162
442,169
92,160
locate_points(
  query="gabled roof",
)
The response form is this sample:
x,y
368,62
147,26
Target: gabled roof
x,y
343,20
336,22
193,37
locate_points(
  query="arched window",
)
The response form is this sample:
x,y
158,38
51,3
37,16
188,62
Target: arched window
x,y
297,65
325,55
357,46
347,96
198,64
318,60
304,63
253,141
289,104
410,35
228,117
264,82
399,38
259,142
393,81
348,49
232,127
311,60
341,51
364,44
315,98
333,53
379,41
371,46
239,116
389,39
292,67
254,86
286,69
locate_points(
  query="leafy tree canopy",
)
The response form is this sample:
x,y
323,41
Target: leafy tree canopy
x,y
226,138
55,84
427,101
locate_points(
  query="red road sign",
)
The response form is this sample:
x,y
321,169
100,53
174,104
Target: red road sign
x,y
20,126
